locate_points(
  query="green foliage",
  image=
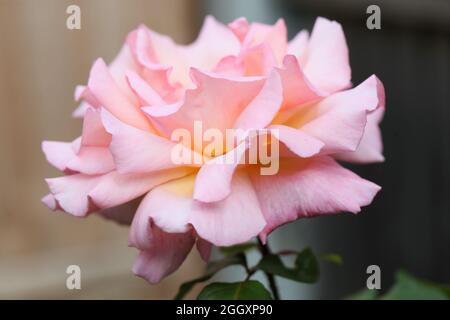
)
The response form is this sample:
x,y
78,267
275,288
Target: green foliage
x,y
306,268
213,268
332,258
407,287
245,290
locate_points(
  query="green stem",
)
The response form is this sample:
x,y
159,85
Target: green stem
x,y
264,249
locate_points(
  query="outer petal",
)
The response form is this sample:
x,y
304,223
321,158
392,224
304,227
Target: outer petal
x,y
370,148
50,202
58,153
306,188
300,143
298,44
236,219
327,61
91,160
340,119
109,94
165,254
80,194
233,220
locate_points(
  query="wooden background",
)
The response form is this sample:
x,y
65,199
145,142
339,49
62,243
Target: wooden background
x,y
41,62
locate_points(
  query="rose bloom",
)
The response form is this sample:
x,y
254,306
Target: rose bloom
x,y
240,76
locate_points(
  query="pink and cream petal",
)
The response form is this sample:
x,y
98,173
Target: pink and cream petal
x,y
340,119
150,152
310,187
236,219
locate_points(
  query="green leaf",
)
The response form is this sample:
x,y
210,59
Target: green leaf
x,y
239,248
246,290
306,267
364,294
213,268
333,258
407,287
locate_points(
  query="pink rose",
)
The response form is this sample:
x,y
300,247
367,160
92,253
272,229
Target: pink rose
x,y
241,76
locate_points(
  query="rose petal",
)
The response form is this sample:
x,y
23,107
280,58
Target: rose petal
x,y
166,253
310,187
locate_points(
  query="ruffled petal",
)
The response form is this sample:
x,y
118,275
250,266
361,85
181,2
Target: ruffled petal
x,y
340,119
310,187
149,151
262,109
370,149
166,253
233,220
216,102
297,90
106,90
326,59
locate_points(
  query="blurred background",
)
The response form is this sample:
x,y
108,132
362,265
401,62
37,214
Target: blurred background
x,y
41,62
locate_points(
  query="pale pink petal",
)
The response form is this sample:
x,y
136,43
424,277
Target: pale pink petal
x,y
240,28
50,202
297,141
297,90
340,119
81,110
166,253
216,102
298,44
310,187
274,36
94,133
327,60
91,160
71,193
214,42
149,151
236,219
370,149
80,194
123,63
115,188
262,109
148,95
106,90
83,93
58,153
168,205
213,180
